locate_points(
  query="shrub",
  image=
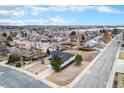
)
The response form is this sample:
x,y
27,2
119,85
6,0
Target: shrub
x,y
18,64
13,58
78,59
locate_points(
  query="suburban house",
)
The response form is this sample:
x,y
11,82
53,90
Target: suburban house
x,y
67,58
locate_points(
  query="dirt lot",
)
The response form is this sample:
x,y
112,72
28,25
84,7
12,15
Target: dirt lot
x,y
87,55
67,75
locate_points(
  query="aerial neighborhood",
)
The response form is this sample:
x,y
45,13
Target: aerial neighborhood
x,y
58,55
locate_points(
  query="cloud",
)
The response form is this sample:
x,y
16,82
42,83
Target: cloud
x,y
33,21
107,9
55,21
61,8
75,8
11,22
37,9
21,10
11,12
71,8
51,21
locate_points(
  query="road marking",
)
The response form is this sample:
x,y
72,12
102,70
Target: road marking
x,y
1,73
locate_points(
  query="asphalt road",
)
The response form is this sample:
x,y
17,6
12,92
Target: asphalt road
x,y
98,75
10,78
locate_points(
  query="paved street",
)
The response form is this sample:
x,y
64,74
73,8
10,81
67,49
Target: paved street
x,y
98,75
14,79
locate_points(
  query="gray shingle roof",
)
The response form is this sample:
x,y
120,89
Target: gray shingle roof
x,y
63,55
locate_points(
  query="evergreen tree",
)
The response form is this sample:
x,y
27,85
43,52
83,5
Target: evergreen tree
x,y
56,63
78,59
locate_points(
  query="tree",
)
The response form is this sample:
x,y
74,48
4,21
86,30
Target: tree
x,y
3,47
83,39
101,31
10,59
9,38
78,59
115,31
48,52
4,40
8,44
56,63
72,35
4,34
106,36
13,59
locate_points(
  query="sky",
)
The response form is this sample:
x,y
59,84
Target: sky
x,y
61,15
